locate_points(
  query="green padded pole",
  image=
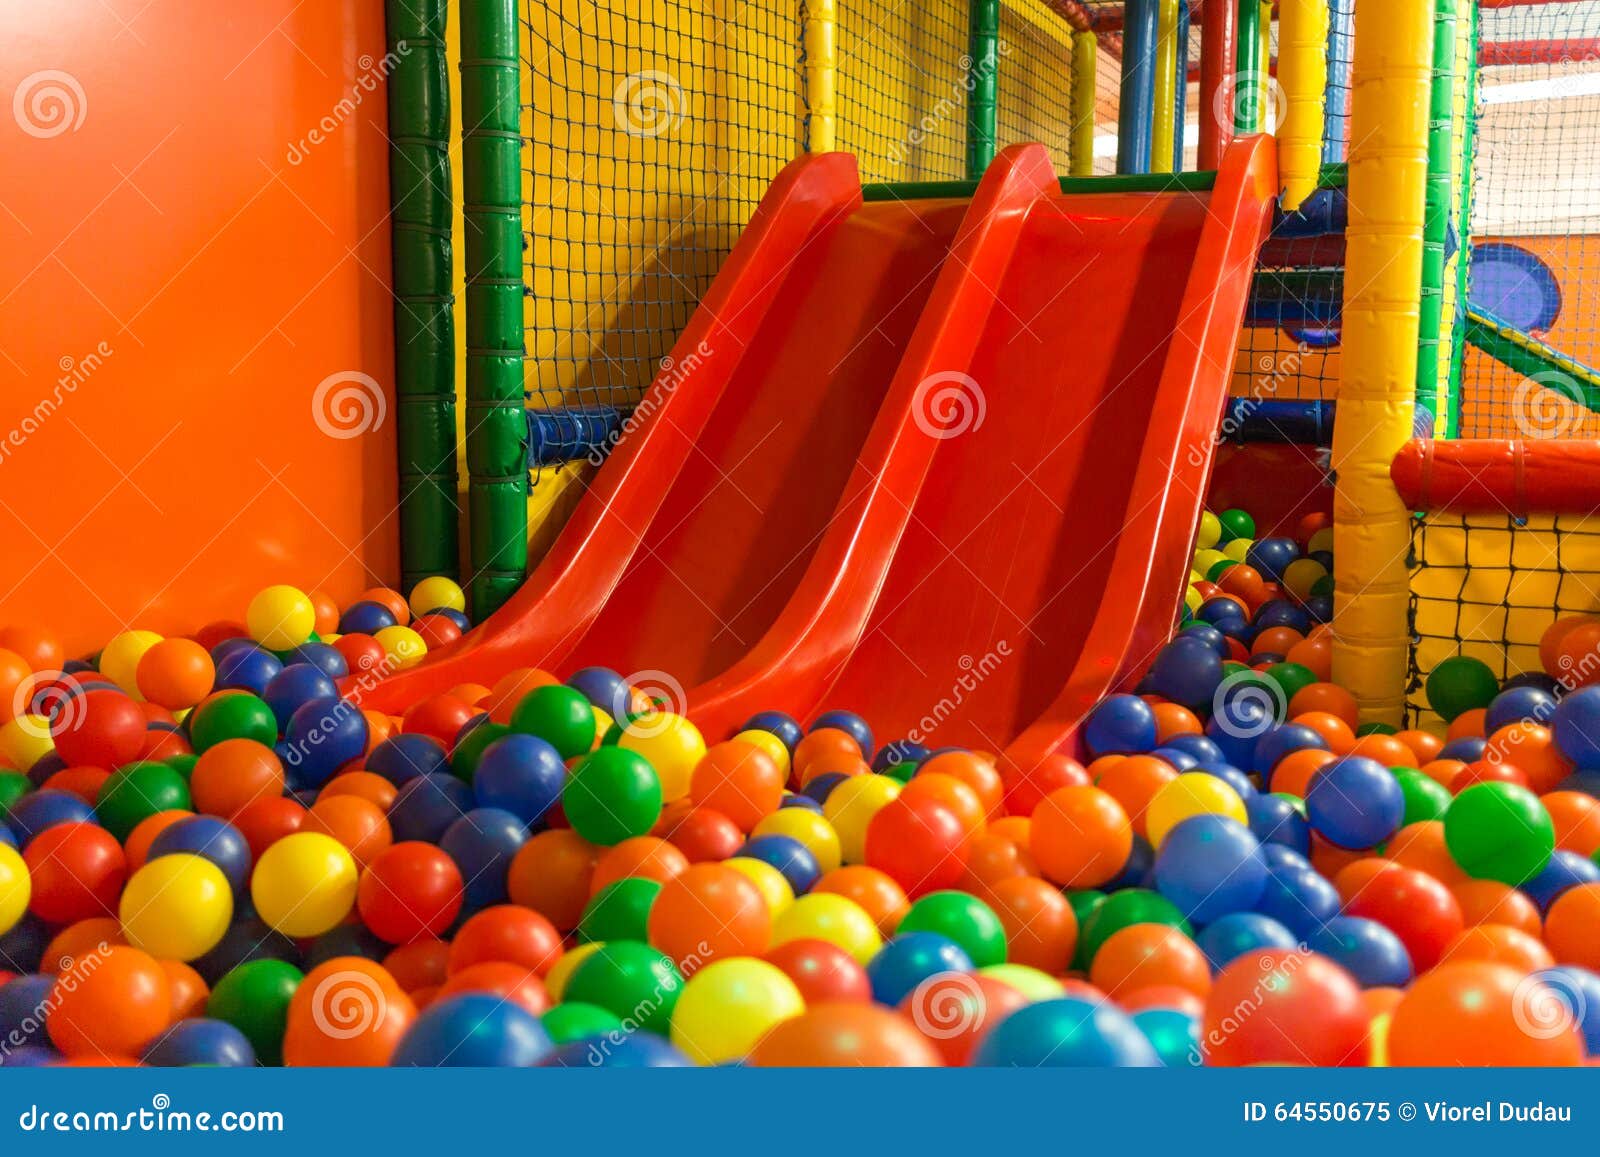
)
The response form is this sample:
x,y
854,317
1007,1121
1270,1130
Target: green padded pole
x,y
424,321
1468,144
497,431
1248,63
1436,220
1527,355
983,76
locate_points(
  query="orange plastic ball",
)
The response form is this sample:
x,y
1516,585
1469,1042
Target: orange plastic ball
x,y
176,673
1293,772
1444,772
367,785
1081,837
189,990
1017,829
234,774
830,763
16,683
952,793
992,858
1569,926
1275,640
1245,582
1335,732
38,648
83,782
739,780
393,600
709,912
1500,944
506,933
1133,783
1040,924
1576,816
1315,654
877,894
347,1012
1386,749
326,611
510,982
86,938
1329,698
1491,902
1550,643
358,824
833,742
1144,954
1576,664
643,857
511,689
1425,745
1026,788
266,821
1532,748
116,1008
845,1035
1467,725
1421,846
1477,1013
975,771
551,874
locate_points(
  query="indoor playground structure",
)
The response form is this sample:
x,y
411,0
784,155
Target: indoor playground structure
x,y
1004,533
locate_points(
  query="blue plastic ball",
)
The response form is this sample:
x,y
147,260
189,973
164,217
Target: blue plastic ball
x,y
44,767
1365,949
819,787
1576,725
200,1041
1320,608
1574,997
618,1050
1208,635
22,948
323,656
427,805
1355,802
40,810
30,1057
1282,740
295,686
247,938
1120,725
1238,724
403,757
1549,684
789,856
790,799
1516,704
473,1031
785,727
1210,865
1587,782
1187,670
1066,1033
1275,820
483,843
6,837
1135,872
247,669
898,752
24,1002
521,774
1297,895
1230,775
1468,749
1173,1033
1563,871
1272,556
1280,613
321,738
851,724
1201,749
1237,934
604,688
365,618
906,961
231,646
210,838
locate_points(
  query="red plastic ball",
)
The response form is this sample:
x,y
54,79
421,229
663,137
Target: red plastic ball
x,y
918,843
821,971
77,871
264,822
1284,1006
100,729
510,982
411,891
954,1010
1418,909
437,630
1025,789
702,834
440,716
362,653
506,933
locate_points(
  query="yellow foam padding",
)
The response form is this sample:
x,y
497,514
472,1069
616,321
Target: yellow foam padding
x,y
1388,175
1165,115
1085,67
1303,73
1487,589
556,491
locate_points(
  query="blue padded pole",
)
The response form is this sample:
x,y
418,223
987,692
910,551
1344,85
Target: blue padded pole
x,y
1136,111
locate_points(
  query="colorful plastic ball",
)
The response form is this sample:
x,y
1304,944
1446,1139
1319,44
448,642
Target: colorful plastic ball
x,y
740,780
1191,794
1121,910
347,1011
323,656
1187,670
1210,865
254,998
1576,723
820,970
1236,524
921,844
1355,803
1566,870
176,673
1066,1033
1040,926
403,757
320,738
114,1009
119,658
427,805
1460,683
137,791
505,934
630,980
473,1030
851,724
1081,836
403,647
809,829
304,884
1122,724
908,960
729,1005
613,794
1174,1034
23,1003
1238,933
99,729
483,842
703,834
709,912
201,1041
789,856
619,911
574,1020
75,871
15,889
1303,1009
247,668
177,907
561,716
411,891
212,839
281,617
1365,949
234,715
831,918
521,774
41,810
1276,819
1479,1013
955,1009
431,594
670,744
294,687
845,1035
785,727
1144,955
1499,832
552,875
1272,556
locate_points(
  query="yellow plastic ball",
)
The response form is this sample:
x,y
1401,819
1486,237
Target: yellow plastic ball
x,y
671,744
25,740
850,807
16,888
1321,540
280,617
1238,548
1192,600
729,1005
837,919
769,743
176,907
555,981
1210,531
602,721
437,593
1204,560
402,647
1302,574
770,882
811,829
304,884
119,662
1031,982
1193,793
1378,1035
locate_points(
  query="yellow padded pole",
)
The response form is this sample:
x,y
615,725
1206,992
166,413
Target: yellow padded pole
x,y
1303,73
1266,63
1383,278
821,75
1164,121
1080,144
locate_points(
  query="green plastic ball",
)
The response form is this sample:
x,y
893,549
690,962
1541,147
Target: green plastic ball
x,y
1376,729
574,1020
1460,683
13,786
1498,831
1124,909
963,918
1290,678
1426,798
235,715
136,792
182,764
619,911
612,795
558,715
254,998
1236,524
630,980
470,747
1084,901
1323,587
1218,569
902,771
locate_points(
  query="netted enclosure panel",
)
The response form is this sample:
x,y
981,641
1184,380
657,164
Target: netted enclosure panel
x,y
1536,225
